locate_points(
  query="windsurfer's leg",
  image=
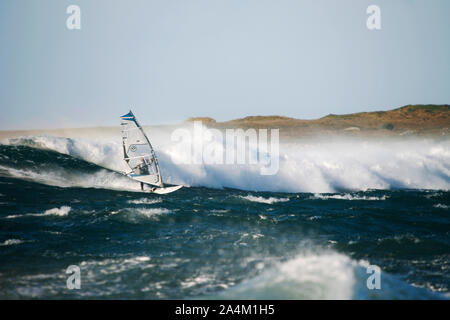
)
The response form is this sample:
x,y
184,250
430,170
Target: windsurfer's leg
x,y
142,186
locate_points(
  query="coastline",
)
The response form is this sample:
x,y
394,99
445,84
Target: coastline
x,y
431,121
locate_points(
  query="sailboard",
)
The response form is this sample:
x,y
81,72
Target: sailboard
x,y
140,157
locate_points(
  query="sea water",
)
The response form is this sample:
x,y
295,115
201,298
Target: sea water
x,y
308,232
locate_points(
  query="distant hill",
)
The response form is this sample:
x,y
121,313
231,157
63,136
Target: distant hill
x,y
407,120
423,120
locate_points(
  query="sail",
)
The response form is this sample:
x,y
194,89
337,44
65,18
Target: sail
x,y
138,152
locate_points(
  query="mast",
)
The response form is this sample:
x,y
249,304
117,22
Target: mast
x,y
151,148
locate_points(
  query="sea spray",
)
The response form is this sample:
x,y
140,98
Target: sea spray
x,y
318,166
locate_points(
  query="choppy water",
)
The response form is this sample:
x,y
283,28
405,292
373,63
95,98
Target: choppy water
x,y
59,206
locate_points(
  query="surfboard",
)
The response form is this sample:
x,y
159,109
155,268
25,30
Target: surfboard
x,y
166,189
140,157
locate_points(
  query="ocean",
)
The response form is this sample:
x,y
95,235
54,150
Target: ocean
x,y
311,231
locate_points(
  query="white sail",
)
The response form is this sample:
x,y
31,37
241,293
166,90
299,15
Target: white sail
x,y
138,152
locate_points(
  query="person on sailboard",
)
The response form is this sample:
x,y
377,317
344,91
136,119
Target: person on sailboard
x,y
141,160
151,189
142,168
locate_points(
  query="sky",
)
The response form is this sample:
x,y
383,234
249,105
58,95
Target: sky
x,y
168,60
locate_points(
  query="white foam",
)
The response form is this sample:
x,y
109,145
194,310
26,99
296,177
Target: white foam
x,y
321,275
319,166
144,201
347,196
150,212
113,266
308,276
104,152
60,212
269,200
11,242
63,211
139,215
432,194
137,259
198,280
441,206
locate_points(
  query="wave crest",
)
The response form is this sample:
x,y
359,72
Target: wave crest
x,y
269,200
325,275
318,166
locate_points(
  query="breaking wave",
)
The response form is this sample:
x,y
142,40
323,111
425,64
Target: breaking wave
x,y
325,275
316,166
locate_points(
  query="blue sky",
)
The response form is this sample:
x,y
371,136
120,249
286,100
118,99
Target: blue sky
x,y
172,59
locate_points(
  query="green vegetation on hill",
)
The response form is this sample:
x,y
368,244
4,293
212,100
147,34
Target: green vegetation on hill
x,y
416,119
